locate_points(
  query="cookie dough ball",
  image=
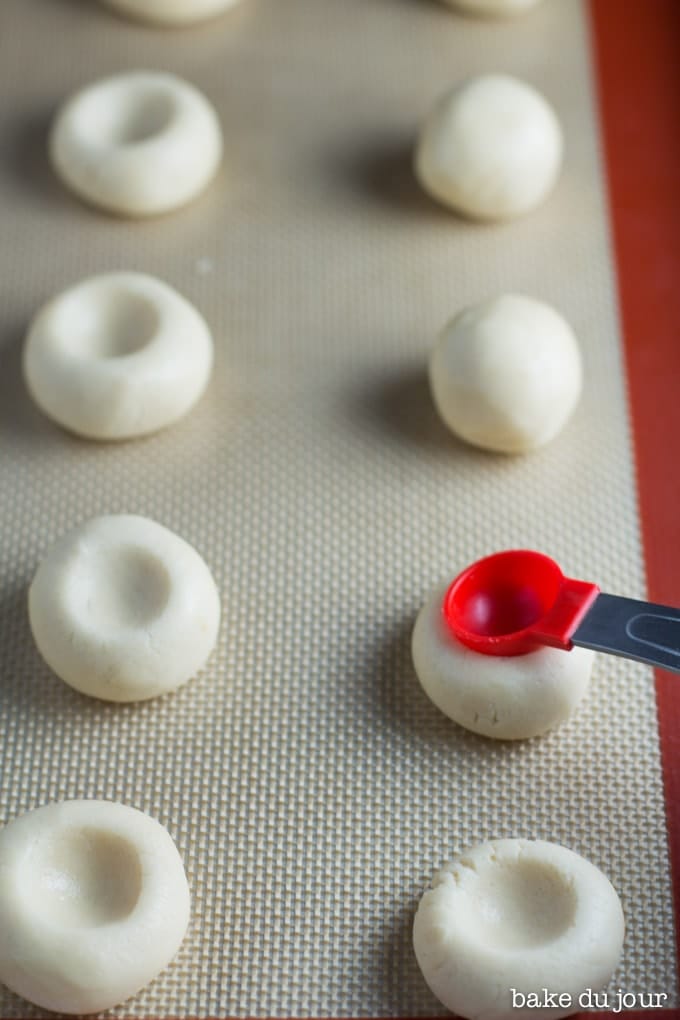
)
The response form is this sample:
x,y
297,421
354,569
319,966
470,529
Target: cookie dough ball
x,y
514,913
94,903
493,8
171,12
123,609
117,356
137,144
506,697
491,149
506,374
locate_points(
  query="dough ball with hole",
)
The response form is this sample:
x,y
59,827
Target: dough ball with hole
x,y
506,374
493,8
171,12
522,914
505,697
94,903
491,148
123,609
137,144
117,356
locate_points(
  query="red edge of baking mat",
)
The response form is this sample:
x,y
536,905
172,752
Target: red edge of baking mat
x,y
637,62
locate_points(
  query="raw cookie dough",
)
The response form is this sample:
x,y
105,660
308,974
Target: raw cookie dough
x,y
506,374
493,8
117,356
171,12
491,149
123,609
509,698
94,903
522,914
137,144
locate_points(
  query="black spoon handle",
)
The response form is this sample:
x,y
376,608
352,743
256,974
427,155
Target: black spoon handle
x,y
636,630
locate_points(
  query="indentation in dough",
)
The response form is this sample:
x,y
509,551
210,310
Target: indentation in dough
x,y
121,587
85,877
141,121
522,914
132,116
519,904
136,144
108,323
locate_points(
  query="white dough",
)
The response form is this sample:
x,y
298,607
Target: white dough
x,y
493,8
94,903
506,374
171,12
123,609
490,149
137,144
506,697
117,356
522,914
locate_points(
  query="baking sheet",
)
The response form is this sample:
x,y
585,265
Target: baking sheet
x,y
310,785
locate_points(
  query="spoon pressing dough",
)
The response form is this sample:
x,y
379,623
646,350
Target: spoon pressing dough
x,y
491,149
117,356
509,698
94,903
493,8
506,374
171,12
137,144
517,914
123,609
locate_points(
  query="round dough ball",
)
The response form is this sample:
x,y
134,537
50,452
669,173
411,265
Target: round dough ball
x,y
506,374
490,149
506,697
493,8
123,609
514,913
171,12
94,904
117,356
137,144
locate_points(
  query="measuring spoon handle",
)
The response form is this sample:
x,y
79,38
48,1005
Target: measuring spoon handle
x,y
636,630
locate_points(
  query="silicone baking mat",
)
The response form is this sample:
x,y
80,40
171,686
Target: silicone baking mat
x,y
310,785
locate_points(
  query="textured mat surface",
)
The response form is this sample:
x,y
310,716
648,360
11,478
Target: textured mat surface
x,y
310,785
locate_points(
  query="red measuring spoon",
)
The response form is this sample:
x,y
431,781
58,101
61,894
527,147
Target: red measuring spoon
x,y
512,602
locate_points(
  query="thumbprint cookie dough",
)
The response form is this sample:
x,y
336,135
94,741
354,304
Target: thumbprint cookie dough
x,y
517,914
171,12
493,8
123,609
506,374
94,903
506,697
491,149
137,144
117,356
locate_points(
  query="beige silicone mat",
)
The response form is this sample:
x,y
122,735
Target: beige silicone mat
x,y
310,785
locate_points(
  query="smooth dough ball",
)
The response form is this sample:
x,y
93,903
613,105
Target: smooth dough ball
x,y
94,903
490,149
171,12
506,697
506,374
123,609
522,914
493,8
137,144
117,356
